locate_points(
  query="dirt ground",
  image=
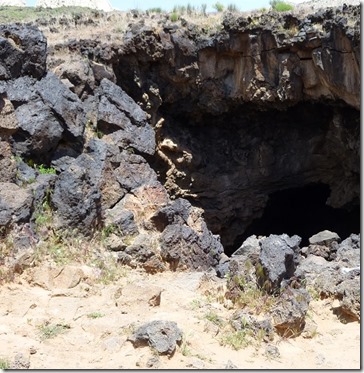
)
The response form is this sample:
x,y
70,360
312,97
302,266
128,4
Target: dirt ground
x,y
95,320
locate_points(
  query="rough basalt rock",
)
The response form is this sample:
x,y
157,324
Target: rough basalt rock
x,y
65,104
188,243
23,52
163,336
76,197
278,258
38,132
119,115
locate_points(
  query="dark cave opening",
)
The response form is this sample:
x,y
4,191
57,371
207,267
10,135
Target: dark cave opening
x,y
302,211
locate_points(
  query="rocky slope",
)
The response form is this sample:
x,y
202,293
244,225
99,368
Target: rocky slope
x,y
154,144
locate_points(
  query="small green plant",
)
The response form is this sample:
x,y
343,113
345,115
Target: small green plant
x,y
48,331
95,315
174,17
43,170
314,293
107,231
195,304
43,212
214,318
280,6
237,339
219,7
185,347
60,254
4,363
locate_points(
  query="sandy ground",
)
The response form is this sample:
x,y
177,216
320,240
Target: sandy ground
x,y
99,318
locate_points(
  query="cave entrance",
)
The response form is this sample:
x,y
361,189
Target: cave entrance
x,y
302,211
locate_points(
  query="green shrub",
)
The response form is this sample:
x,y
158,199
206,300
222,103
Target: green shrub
x,y
219,7
236,339
174,17
280,6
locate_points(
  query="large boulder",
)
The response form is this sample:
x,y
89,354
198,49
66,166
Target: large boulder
x,y
65,103
39,131
325,237
163,336
76,196
278,258
23,52
186,242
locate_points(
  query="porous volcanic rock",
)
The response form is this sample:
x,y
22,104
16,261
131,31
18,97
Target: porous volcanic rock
x,y
23,52
163,336
278,258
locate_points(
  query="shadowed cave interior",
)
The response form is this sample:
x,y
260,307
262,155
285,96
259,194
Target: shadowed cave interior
x,y
302,211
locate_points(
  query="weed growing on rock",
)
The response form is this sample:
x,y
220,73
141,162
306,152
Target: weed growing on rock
x,y
107,231
43,170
